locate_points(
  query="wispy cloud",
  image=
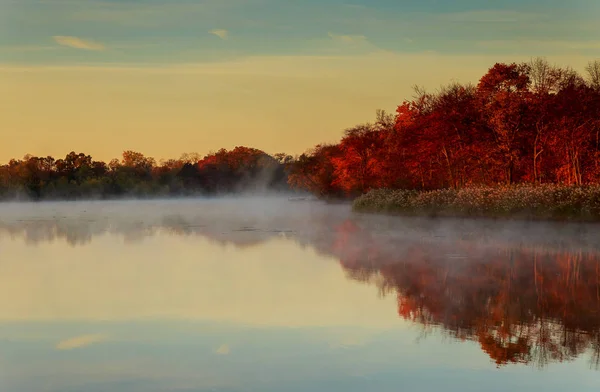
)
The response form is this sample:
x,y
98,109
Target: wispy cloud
x,y
223,349
80,341
221,33
78,43
315,67
350,39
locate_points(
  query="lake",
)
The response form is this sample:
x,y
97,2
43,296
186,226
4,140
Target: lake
x,y
268,294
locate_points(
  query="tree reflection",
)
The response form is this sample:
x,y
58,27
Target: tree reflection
x,y
525,293
521,304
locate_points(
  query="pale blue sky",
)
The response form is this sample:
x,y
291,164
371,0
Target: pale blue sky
x,y
175,31
162,77
154,355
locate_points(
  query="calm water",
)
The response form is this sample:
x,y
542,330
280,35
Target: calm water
x,y
278,295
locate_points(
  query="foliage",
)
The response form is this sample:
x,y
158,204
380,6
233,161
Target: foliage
x,y
78,176
522,123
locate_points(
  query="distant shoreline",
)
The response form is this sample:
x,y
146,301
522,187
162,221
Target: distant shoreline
x,y
289,195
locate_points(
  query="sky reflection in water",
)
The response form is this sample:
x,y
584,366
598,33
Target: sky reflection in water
x,y
271,295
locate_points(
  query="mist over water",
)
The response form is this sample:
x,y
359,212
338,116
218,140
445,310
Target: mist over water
x,y
276,293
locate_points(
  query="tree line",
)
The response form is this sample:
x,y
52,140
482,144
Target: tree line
x,y
521,123
135,175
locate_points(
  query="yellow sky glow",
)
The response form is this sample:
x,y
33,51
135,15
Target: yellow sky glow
x,y
278,104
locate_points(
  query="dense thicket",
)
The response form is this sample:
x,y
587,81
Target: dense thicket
x,y
522,123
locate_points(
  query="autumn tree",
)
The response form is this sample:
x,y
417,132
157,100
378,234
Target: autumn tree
x,y
76,167
576,142
137,160
314,171
355,167
593,73
190,157
242,168
504,94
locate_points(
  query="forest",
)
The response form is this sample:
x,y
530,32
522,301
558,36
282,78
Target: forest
x,y
522,123
78,176
528,123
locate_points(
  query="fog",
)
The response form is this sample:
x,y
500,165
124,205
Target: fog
x,y
250,219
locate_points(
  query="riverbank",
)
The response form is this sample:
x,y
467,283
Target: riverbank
x,y
541,202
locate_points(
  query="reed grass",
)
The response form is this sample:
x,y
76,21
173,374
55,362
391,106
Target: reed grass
x,y
543,202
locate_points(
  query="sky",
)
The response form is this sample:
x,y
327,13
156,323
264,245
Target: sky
x,y
165,77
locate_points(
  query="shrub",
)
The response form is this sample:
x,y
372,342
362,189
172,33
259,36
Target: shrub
x,y
519,201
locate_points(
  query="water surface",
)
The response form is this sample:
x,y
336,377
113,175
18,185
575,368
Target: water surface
x,y
267,294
